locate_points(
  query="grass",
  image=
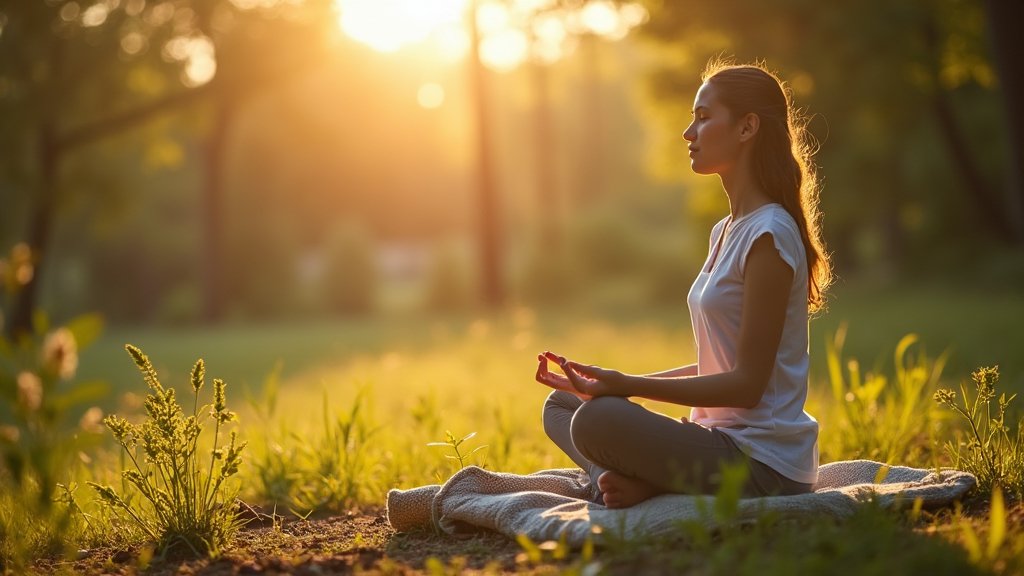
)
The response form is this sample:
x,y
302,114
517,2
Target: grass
x,y
978,329
350,408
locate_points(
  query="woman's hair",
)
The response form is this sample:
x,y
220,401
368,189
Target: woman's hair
x,y
782,157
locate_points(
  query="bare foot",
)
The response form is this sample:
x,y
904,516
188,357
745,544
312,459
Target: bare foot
x,y
622,492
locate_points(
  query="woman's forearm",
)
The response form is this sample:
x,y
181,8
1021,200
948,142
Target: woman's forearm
x,y
733,389
688,370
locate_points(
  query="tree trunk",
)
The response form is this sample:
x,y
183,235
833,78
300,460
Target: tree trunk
x,y
986,198
547,202
213,211
1004,20
488,219
43,211
592,170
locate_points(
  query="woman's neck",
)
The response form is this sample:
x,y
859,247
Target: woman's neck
x,y
745,195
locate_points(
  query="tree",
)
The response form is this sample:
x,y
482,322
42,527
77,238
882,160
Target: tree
x,y
70,63
884,81
60,66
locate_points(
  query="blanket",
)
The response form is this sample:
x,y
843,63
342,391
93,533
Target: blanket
x,y
552,504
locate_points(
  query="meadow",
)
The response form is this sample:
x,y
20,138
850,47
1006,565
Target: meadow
x,y
336,413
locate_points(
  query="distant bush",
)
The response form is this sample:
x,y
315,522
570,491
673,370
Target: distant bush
x,y
604,243
449,284
549,276
350,279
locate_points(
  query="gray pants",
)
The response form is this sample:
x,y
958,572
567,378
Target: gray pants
x,y
612,433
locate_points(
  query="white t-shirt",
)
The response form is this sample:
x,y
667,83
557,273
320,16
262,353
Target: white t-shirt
x,y
777,432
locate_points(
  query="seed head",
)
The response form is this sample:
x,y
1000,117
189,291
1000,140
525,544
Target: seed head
x,y
145,366
107,494
220,402
945,396
220,411
198,374
985,379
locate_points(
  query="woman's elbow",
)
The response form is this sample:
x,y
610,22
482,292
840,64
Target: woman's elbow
x,y
752,387
751,401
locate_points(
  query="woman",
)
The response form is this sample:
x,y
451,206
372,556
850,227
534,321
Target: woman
x,y
766,271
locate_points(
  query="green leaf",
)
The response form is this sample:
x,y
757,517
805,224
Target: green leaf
x,y
997,523
533,551
86,329
882,474
901,350
970,541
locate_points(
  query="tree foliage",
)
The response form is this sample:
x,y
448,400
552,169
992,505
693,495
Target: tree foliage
x,y
904,101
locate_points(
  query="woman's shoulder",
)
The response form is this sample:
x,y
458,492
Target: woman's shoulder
x,y
772,218
775,220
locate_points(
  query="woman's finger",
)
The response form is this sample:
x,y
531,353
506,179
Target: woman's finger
x,y
586,370
554,357
577,382
542,370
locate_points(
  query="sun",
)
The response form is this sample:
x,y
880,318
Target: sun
x,y
511,32
390,25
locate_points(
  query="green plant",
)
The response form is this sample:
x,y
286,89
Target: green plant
x,y
183,502
273,466
337,476
451,442
990,452
874,416
996,532
42,421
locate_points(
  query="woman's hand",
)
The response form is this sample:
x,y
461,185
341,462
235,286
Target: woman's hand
x,y
556,381
587,381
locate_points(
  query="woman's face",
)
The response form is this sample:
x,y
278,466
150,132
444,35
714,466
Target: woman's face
x,y
714,135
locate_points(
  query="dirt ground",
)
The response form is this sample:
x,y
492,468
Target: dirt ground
x,y
360,541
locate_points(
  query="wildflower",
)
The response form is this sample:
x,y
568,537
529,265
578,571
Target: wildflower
x,y
18,271
30,391
985,379
233,457
945,396
60,353
9,434
92,420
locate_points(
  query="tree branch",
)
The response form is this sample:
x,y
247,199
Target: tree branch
x,y
89,133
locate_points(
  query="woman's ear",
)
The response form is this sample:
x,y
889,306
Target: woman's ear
x,y
750,126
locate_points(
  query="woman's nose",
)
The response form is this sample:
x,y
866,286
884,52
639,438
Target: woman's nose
x,y
688,135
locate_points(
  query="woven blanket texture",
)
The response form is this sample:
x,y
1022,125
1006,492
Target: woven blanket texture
x,y
547,504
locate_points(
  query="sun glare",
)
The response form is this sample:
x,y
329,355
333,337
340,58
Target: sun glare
x,y
430,95
511,32
504,50
390,25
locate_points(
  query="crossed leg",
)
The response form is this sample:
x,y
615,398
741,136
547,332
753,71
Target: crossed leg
x,y
633,454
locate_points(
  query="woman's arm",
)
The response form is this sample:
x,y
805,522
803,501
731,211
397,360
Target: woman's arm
x,y
688,370
767,282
